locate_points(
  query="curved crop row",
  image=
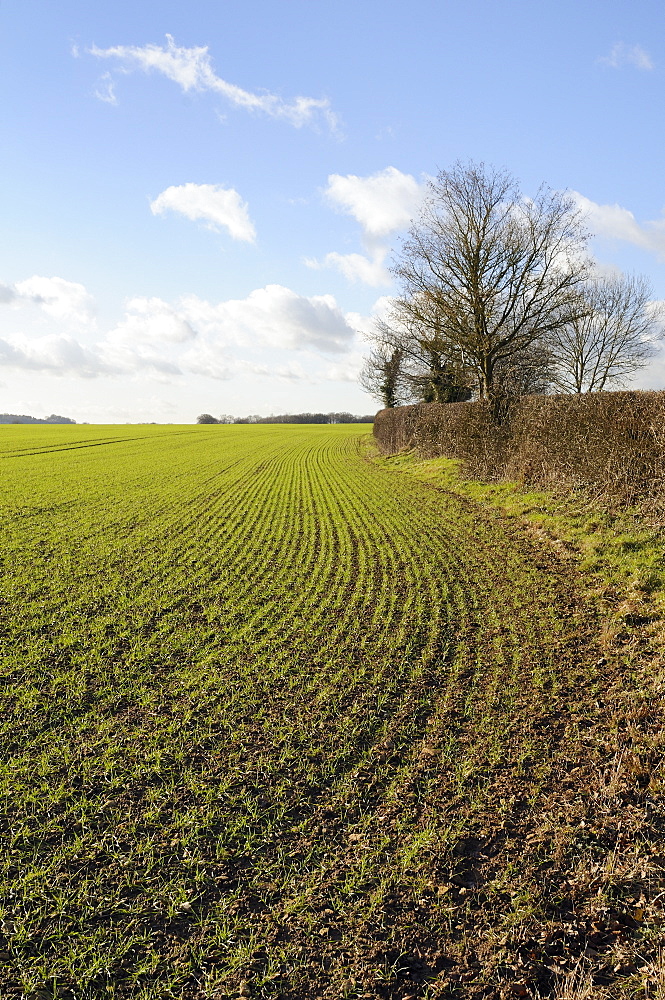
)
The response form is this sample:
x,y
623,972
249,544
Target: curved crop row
x,y
257,692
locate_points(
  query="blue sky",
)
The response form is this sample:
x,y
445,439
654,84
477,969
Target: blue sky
x,y
199,200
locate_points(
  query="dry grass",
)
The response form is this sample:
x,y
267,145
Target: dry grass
x,y
579,986
649,984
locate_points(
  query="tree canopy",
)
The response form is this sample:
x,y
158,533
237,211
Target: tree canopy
x,y
498,296
489,272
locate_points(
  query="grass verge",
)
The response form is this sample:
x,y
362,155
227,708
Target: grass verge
x,y
619,556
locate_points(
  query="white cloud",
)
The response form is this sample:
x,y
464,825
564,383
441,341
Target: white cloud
x,y
210,203
163,340
605,269
58,355
357,267
152,320
346,371
627,55
382,203
274,316
380,310
191,69
54,355
284,373
210,359
64,300
617,223
656,311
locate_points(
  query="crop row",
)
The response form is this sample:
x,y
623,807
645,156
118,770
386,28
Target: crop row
x,y
254,688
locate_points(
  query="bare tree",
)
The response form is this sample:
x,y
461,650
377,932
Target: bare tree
x,y
382,376
491,273
609,339
435,369
427,368
439,381
529,372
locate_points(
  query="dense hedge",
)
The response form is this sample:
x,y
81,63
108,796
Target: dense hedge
x,y
611,441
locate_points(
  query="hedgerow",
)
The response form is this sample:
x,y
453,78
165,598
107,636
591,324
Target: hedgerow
x,y
612,442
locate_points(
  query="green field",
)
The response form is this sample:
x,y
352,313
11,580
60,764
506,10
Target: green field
x,y
280,719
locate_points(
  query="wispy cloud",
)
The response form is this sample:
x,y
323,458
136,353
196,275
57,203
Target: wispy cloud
x,y
105,90
627,55
191,69
212,204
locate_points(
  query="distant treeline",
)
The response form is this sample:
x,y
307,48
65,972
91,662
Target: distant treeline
x,y
289,418
21,418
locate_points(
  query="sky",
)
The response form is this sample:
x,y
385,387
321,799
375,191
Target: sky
x,y
199,201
